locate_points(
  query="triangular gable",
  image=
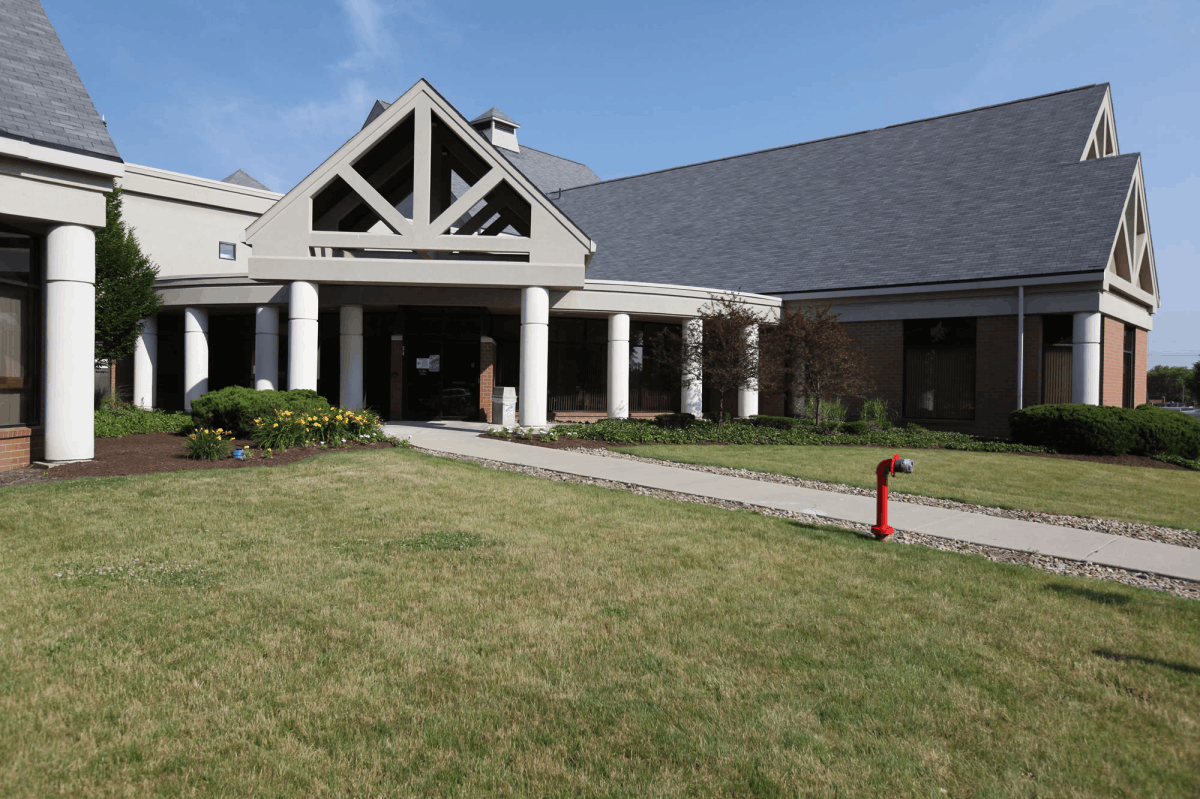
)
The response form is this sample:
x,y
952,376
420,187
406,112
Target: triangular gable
x,y
1130,266
418,196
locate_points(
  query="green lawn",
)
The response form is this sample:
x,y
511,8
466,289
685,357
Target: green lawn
x,y
390,623
1055,485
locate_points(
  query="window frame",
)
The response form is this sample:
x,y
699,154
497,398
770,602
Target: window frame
x,y
221,251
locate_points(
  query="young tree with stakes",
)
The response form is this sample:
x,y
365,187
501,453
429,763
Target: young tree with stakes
x,y
125,294
810,354
725,358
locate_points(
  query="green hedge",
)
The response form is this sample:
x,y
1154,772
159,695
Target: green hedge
x,y
702,431
130,420
1097,430
235,408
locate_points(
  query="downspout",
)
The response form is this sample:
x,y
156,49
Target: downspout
x,y
1020,347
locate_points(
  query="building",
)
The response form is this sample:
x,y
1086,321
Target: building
x,y
985,259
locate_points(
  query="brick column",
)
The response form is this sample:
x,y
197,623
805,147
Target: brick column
x,y
487,376
1141,354
1112,362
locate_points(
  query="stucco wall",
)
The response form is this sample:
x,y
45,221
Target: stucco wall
x,y
183,238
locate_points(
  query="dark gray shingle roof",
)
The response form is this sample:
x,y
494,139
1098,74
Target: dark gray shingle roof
x,y
377,109
549,172
42,99
994,192
240,178
494,113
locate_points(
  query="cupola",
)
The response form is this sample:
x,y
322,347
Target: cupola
x,y
497,128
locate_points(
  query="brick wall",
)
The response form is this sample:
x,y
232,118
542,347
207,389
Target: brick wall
x,y
1141,363
1033,360
487,377
19,446
995,374
1112,362
882,345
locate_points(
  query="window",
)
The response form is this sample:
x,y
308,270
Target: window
x,y
1057,358
228,252
1127,377
939,368
20,299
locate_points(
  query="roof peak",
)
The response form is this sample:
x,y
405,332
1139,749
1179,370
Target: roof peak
x,y
842,135
495,113
241,178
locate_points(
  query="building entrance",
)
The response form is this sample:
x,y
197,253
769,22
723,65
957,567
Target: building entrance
x,y
441,363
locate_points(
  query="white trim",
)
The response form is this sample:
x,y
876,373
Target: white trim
x,y
179,177
48,155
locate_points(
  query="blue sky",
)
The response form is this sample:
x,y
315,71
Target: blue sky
x,y
626,87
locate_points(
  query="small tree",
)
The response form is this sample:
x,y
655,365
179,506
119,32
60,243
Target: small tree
x,y
725,358
1169,382
810,354
125,293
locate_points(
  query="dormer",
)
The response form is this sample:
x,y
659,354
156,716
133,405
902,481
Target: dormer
x,y
497,128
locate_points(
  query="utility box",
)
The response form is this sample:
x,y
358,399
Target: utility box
x,y
504,406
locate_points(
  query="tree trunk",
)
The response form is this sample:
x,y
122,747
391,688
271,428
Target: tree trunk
x,y
112,382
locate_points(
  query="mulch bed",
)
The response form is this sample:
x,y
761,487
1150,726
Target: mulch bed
x,y
580,443
157,452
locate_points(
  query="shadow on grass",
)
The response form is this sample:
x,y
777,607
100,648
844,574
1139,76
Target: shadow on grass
x,y
1093,594
1182,668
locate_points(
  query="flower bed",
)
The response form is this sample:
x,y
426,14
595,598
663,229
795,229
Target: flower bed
x,y
282,428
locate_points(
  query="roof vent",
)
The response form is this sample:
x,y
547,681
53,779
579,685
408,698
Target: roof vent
x,y
497,128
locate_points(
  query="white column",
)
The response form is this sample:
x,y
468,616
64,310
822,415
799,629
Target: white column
x,y
1085,359
535,355
748,397
351,396
302,336
1020,347
693,389
266,348
70,343
618,366
145,365
195,354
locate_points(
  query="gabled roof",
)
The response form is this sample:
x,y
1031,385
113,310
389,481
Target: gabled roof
x,y
990,193
550,172
42,99
494,113
240,178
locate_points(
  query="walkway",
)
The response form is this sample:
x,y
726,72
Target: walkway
x,y
462,438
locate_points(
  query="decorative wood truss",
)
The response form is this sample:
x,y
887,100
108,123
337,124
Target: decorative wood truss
x,y
1131,261
419,197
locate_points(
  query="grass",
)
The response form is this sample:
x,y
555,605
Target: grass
x,y
390,623
1054,485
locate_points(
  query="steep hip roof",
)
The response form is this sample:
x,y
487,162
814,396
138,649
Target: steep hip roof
x,y
42,99
991,193
241,178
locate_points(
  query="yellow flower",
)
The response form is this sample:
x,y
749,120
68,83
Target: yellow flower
x,y
218,438
275,425
316,424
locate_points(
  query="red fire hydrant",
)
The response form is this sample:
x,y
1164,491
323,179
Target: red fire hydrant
x,y
888,467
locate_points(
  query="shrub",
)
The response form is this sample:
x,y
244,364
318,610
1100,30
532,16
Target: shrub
x,y
874,412
856,428
1163,432
674,421
207,444
236,407
1095,430
125,419
283,428
777,422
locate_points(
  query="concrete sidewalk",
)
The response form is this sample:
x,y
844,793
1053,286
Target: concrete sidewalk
x,y
462,438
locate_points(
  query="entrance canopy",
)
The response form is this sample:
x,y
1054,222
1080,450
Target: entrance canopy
x,y
419,197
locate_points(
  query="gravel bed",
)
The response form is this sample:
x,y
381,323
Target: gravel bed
x,y
1146,532
1183,588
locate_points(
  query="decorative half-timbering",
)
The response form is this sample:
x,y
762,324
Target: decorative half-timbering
x,y
1102,142
419,197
